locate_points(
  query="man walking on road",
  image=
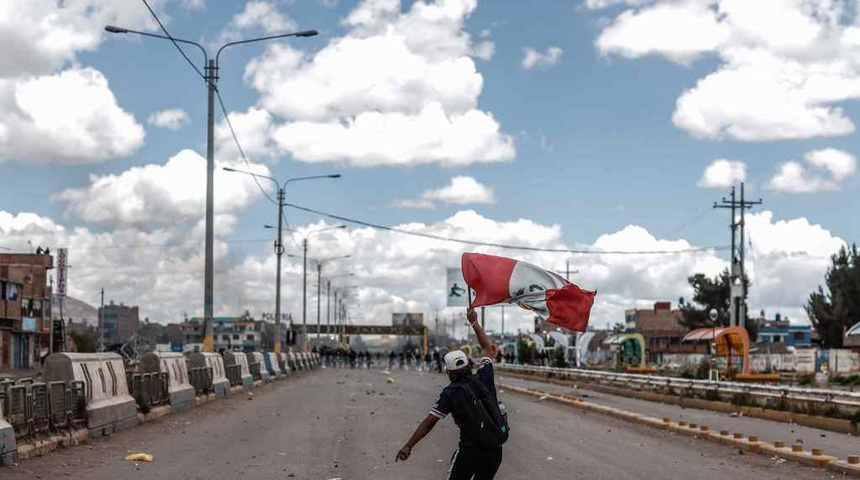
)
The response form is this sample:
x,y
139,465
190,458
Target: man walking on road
x,y
471,399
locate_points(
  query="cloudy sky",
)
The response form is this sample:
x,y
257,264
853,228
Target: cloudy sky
x,y
594,125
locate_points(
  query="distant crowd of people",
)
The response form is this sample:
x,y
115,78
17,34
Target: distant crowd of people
x,y
406,359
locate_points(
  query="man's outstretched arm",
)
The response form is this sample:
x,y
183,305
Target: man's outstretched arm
x,y
488,348
420,432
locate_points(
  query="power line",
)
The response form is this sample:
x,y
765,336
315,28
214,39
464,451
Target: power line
x,y
217,92
175,44
163,245
693,220
239,146
502,245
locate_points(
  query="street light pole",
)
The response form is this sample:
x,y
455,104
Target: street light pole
x,y
279,251
211,77
208,275
305,295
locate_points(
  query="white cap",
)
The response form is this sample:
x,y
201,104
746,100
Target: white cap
x,y
455,360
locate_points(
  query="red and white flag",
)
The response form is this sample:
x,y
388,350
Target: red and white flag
x,y
504,280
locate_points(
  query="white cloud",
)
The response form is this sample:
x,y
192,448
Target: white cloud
x,y
787,261
70,117
534,58
52,109
784,66
793,177
841,165
194,4
40,36
172,119
679,30
723,173
262,15
373,138
484,50
254,129
400,87
462,190
161,195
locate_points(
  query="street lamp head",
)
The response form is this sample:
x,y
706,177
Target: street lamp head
x,y
114,29
336,175
268,226
341,226
307,33
228,169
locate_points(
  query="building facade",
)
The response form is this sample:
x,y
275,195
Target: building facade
x,y
120,323
782,331
663,331
25,309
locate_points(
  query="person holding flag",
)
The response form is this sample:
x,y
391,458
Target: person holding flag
x,y
471,400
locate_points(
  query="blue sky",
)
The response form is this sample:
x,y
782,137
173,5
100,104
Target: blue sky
x,y
596,148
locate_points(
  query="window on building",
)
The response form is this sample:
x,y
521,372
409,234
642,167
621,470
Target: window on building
x,y
225,337
236,337
250,338
799,336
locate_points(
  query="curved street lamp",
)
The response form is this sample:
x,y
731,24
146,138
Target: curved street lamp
x,y
279,245
211,77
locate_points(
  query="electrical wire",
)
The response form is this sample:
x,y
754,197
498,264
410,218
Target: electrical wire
x,y
217,93
695,219
175,43
502,245
239,146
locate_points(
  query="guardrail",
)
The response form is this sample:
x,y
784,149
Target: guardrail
x,y
772,393
148,389
33,407
234,375
255,370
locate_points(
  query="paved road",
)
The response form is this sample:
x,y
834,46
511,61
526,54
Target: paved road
x,y
840,445
349,424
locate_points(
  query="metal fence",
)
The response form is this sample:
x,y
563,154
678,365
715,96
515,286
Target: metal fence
x,y
201,379
149,389
256,374
234,375
36,407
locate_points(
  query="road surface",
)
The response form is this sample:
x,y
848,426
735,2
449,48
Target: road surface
x,y
349,425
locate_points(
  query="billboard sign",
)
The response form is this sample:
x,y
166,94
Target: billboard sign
x,y
456,289
62,258
407,319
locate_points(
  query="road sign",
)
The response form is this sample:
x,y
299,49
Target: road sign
x,y
456,289
62,258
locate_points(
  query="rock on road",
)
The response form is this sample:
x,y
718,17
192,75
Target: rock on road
x,y
350,423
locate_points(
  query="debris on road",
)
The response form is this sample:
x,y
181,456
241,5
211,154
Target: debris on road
x,y
542,398
390,379
140,457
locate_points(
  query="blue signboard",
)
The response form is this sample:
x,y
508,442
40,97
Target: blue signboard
x,y
176,347
28,324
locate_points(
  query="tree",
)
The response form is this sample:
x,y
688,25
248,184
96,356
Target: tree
x,y
712,293
834,311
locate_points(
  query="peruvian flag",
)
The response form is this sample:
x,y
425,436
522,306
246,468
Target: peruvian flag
x,y
504,280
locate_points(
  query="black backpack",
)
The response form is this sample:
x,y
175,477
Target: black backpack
x,y
486,417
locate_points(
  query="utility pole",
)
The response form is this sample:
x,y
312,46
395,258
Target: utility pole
x,y
102,324
279,252
305,296
328,307
503,320
319,279
737,276
567,271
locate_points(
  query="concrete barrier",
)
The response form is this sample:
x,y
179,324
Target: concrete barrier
x,y
110,407
8,447
295,365
284,362
306,365
220,384
181,393
239,358
272,365
257,357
